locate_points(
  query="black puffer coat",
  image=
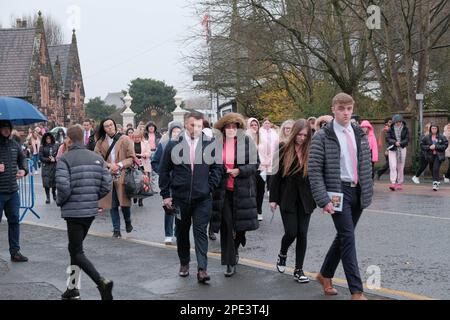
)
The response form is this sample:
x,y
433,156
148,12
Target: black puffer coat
x,y
245,214
48,167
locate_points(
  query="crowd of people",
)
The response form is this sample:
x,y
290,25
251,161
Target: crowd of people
x,y
218,177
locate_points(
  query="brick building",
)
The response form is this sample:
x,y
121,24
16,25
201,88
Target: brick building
x,y
49,77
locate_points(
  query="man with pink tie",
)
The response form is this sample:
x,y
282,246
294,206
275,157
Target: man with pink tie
x,y
340,162
87,133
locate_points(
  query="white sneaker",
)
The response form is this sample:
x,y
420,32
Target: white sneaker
x,y
260,217
446,180
168,240
416,180
435,185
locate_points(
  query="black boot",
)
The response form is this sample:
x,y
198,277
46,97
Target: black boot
x,y
128,226
105,287
54,194
47,193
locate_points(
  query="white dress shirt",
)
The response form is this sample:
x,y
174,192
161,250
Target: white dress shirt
x,y
113,151
346,162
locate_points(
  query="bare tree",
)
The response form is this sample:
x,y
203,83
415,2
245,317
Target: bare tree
x,y
53,29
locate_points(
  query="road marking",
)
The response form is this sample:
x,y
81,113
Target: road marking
x,y
407,214
245,261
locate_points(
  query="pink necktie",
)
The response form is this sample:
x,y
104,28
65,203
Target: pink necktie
x,y
192,154
352,151
86,138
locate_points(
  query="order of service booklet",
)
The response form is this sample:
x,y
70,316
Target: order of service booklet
x,y
337,199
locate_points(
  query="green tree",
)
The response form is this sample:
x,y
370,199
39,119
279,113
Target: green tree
x,y
151,93
97,109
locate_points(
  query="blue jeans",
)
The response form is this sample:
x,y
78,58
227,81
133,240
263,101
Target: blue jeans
x,y
168,225
10,203
35,159
115,211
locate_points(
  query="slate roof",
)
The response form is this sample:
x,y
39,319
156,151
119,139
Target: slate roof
x,y
114,99
16,53
62,52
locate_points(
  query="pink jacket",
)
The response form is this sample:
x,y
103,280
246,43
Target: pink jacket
x,y
372,139
268,145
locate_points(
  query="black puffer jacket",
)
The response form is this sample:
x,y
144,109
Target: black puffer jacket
x,y
12,157
82,179
391,139
245,213
325,169
441,146
48,167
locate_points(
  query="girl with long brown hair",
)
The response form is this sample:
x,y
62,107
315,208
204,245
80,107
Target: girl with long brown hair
x,y
290,189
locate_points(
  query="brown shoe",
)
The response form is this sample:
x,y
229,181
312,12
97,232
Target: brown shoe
x,y
202,276
327,285
358,296
184,271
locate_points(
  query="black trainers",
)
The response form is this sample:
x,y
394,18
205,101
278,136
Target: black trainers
x,y
281,263
71,294
128,227
299,276
105,289
47,201
117,234
18,257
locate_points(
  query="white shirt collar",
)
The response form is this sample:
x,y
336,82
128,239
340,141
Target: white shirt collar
x,y
337,126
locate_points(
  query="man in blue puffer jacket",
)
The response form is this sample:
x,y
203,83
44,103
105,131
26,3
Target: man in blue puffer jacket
x,y
82,178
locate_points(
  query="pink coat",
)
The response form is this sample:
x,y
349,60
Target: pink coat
x,y
372,139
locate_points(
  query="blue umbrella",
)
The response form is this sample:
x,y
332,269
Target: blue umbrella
x,y
19,111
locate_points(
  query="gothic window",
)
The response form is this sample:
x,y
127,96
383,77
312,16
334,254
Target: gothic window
x,y
45,95
77,94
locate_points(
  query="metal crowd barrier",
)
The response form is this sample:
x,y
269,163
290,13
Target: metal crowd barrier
x,y
26,193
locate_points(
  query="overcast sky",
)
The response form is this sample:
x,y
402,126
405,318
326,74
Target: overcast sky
x,y
121,40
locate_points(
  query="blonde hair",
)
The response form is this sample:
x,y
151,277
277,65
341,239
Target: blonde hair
x,y
138,134
283,136
342,98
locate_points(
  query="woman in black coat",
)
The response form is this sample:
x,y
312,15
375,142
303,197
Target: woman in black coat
x,y
234,202
290,189
47,156
433,146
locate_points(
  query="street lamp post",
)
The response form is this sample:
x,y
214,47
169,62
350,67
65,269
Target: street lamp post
x,y
419,97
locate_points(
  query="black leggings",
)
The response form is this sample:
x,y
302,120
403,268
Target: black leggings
x,y
423,163
296,226
435,163
77,229
47,192
447,175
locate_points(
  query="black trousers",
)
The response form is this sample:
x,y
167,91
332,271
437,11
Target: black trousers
x,y
77,229
296,224
344,245
260,190
198,212
229,238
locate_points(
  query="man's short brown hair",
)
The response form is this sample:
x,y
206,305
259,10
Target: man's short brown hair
x,y
342,98
194,114
75,133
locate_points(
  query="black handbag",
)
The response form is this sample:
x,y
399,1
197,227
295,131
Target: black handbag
x,y
135,186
